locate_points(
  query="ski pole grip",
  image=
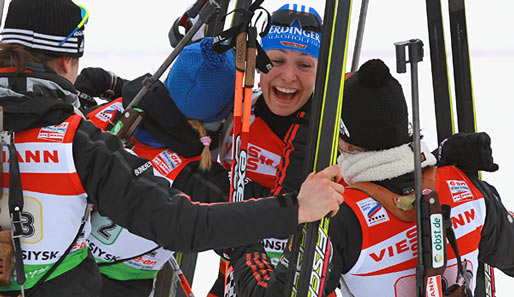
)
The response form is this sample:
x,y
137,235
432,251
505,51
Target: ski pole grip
x,y
415,51
211,8
241,51
251,57
195,9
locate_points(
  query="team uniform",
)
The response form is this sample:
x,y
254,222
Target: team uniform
x,y
35,104
388,255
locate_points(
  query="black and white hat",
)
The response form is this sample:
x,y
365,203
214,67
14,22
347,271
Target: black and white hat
x,y
49,26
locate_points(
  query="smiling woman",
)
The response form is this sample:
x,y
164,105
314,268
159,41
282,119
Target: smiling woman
x,y
292,44
289,84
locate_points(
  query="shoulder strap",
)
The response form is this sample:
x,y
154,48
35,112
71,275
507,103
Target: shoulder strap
x,y
15,202
400,206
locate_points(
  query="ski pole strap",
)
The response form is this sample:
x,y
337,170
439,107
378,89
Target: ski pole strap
x,y
15,202
220,44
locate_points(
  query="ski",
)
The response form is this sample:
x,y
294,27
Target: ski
x,y
239,4
311,246
440,82
461,67
465,103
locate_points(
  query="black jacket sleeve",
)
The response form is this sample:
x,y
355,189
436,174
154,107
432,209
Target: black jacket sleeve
x,y
496,246
213,185
255,277
122,187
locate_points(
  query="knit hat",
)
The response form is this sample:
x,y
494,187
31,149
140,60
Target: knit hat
x,y
292,28
201,82
374,114
50,26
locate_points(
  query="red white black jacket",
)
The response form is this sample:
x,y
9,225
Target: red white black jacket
x,y
387,261
480,220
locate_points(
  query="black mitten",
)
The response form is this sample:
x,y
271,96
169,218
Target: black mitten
x,y
467,151
98,82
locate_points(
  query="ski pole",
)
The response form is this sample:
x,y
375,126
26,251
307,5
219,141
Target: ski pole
x,y
251,54
181,277
360,35
237,168
207,11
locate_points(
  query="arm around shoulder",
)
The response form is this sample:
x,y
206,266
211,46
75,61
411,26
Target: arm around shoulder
x,y
123,187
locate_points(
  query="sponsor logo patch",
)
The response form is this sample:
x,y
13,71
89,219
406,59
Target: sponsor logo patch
x,y
436,228
107,114
460,190
53,133
373,211
166,161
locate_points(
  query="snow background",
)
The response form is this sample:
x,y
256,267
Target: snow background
x,y
130,38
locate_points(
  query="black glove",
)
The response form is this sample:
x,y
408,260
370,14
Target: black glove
x,y
98,82
467,151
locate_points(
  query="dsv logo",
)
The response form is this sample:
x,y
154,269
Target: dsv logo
x,y
240,171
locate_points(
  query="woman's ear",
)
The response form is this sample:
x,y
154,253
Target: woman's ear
x,y
66,67
65,64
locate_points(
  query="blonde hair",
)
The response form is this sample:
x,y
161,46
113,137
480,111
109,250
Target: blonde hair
x,y
205,162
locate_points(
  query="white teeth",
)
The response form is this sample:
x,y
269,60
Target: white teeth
x,y
284,90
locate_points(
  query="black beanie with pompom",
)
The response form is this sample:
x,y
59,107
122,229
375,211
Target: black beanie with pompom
x,y
374,115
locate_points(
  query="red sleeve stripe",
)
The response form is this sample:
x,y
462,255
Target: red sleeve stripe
x,y
284,162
